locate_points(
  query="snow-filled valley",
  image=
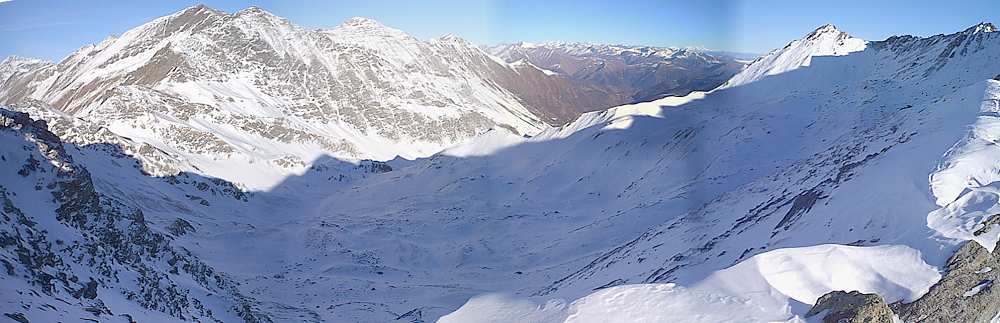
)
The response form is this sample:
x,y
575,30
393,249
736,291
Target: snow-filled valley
x,y
832,164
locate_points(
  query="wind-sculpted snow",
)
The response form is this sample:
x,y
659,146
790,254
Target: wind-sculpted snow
x,y
966,183
769,287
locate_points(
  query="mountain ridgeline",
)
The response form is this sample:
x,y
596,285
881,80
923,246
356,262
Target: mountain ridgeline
x,y
204,89
234,167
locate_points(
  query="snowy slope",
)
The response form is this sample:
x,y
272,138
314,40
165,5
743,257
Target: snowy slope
x,y
859,171
824,41
838,152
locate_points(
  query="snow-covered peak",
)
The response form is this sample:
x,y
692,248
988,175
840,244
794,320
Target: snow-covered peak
x,y
363,24
259,18
192,14
19,60
17,64
983,27
582,49
824,29
367,32
196,9
527,45
826,40
453,39
13,65
254,13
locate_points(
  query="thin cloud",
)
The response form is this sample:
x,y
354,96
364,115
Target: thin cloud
x,y
2,1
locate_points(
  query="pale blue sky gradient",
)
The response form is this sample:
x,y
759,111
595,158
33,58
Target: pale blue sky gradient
x,y
53,29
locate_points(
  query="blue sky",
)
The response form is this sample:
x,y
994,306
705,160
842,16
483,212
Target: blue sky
x,y
53,29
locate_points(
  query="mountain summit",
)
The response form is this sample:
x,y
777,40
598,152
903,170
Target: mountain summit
x,y
983,27
826,40
824,29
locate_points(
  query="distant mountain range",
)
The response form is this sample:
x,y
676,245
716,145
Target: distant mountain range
x,y
634,73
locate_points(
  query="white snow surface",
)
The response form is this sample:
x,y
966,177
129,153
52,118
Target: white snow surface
x,y
769,287
824,41
967,182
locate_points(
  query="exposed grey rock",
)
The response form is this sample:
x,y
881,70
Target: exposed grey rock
x,y
964,294
853,307
180,227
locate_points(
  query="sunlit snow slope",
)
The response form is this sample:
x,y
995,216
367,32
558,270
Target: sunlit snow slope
x,y
824,41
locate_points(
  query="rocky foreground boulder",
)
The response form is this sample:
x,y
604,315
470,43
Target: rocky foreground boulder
x,y
854,307
964,294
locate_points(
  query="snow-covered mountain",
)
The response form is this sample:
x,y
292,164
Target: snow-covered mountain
x,y
15,66
860,171
245,91
826,40
632,73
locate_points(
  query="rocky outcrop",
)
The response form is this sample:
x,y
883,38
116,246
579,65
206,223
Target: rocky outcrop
x,y
965,294
852,307
105,245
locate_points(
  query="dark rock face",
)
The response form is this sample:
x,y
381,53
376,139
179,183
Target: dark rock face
x,y
110,243
988,225
16,317
853,307
964,294
181,227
